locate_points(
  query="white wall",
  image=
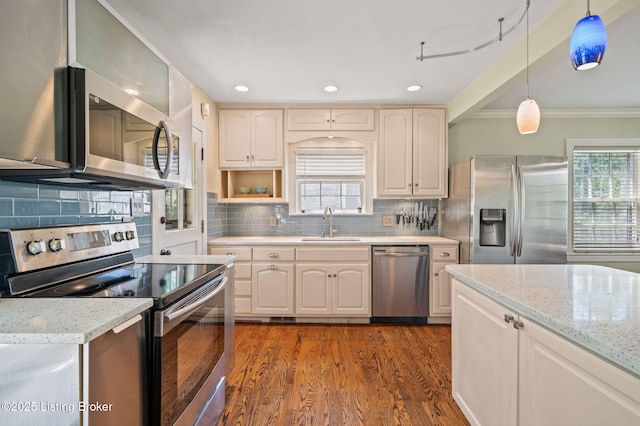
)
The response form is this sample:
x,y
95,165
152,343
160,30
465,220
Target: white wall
x,y
211,125
500,135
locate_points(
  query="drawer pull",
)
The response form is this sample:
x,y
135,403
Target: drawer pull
x,y
273,254
444,254
272,267
231,253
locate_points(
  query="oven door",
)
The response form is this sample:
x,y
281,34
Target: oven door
x,y
188,357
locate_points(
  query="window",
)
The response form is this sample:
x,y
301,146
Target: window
x,y
605,196
331,174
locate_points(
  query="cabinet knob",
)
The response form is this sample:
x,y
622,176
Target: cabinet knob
x,y
409,186
415,184
444,254
518,325
508,318
247,158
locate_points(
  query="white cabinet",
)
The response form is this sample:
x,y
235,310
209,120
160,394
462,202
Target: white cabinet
x,y
242,275
330,119
272,289
563,384
440,282
413,153
507,370
484,359
251,139
324,289
303,281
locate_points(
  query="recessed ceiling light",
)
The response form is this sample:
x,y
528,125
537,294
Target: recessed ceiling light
x,y
414,88
241,88
331,88
133,92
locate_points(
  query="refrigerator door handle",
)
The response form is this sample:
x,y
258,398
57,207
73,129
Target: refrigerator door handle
x,y
514,219
521,212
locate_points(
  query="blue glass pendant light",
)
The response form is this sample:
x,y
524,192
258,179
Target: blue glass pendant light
x,y
588,42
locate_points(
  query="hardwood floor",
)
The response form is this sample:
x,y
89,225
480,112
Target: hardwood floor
x,y
307,374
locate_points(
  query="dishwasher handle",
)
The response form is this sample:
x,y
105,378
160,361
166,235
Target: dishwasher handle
x,y
401,254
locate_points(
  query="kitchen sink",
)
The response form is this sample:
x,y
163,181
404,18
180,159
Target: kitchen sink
x,y
330,239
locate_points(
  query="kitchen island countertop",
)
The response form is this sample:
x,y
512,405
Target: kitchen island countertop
x,y
64,320
596,307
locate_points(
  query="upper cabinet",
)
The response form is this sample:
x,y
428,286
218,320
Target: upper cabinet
x,y
308,119
412,153
251,139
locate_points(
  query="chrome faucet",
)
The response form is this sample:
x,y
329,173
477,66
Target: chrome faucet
x,y
324,219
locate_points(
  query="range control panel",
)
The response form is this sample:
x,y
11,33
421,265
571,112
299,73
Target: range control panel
x,y
44,247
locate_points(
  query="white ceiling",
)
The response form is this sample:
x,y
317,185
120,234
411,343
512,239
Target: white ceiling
x,y
286,51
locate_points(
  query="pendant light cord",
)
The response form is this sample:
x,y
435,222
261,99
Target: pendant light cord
x,y
528,2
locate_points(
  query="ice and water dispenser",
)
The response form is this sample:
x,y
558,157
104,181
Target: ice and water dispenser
x,y
492,227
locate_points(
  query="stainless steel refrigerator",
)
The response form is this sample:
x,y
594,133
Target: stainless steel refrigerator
x,y
508,209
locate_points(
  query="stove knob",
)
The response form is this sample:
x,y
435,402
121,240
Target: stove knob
x,y
56,244
118,236
130,235
36,247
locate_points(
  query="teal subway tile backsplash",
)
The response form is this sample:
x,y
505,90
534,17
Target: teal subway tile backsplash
x,y
253,220
29,206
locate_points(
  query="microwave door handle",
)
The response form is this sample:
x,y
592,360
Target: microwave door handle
x,y
154,150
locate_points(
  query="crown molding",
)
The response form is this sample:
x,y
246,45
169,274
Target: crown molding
x,y
563,113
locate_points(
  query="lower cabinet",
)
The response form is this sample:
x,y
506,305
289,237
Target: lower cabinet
x,y
440,282
285,281
507,370
332,289
272,289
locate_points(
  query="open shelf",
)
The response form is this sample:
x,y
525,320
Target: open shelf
x,y
232,180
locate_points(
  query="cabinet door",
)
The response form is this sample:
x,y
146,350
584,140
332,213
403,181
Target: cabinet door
x,y
562,384
440,291
429,153
351,289
272,288
313,289
235,138
484,358
352,119
395,175
308,119
267,140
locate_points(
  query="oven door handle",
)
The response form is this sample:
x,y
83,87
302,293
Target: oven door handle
x,y
197,304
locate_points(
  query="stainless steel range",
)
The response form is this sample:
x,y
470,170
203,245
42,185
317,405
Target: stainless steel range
x,y
185,349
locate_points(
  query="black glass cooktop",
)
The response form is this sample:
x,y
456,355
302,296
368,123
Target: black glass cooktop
x,y
165,283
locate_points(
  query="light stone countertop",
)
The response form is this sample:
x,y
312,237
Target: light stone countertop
x,y
595,307
64,320
338,240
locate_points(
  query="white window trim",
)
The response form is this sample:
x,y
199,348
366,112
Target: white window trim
x,y
330,143
604,143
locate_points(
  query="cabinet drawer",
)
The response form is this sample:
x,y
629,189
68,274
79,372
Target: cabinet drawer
x,y
242,288
243,253
444,253
273,254
242,270
325,254
243,305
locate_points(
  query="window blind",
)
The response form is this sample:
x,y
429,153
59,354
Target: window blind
x,y
606,199
330,163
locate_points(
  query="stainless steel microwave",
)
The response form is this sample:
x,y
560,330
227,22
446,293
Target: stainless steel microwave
x,y
110,140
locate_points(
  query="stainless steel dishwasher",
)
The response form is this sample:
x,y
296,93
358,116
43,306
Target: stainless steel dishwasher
x,y
400,284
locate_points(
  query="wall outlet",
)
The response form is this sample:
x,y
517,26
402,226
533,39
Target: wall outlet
x,y
273,220
387,220
137,207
